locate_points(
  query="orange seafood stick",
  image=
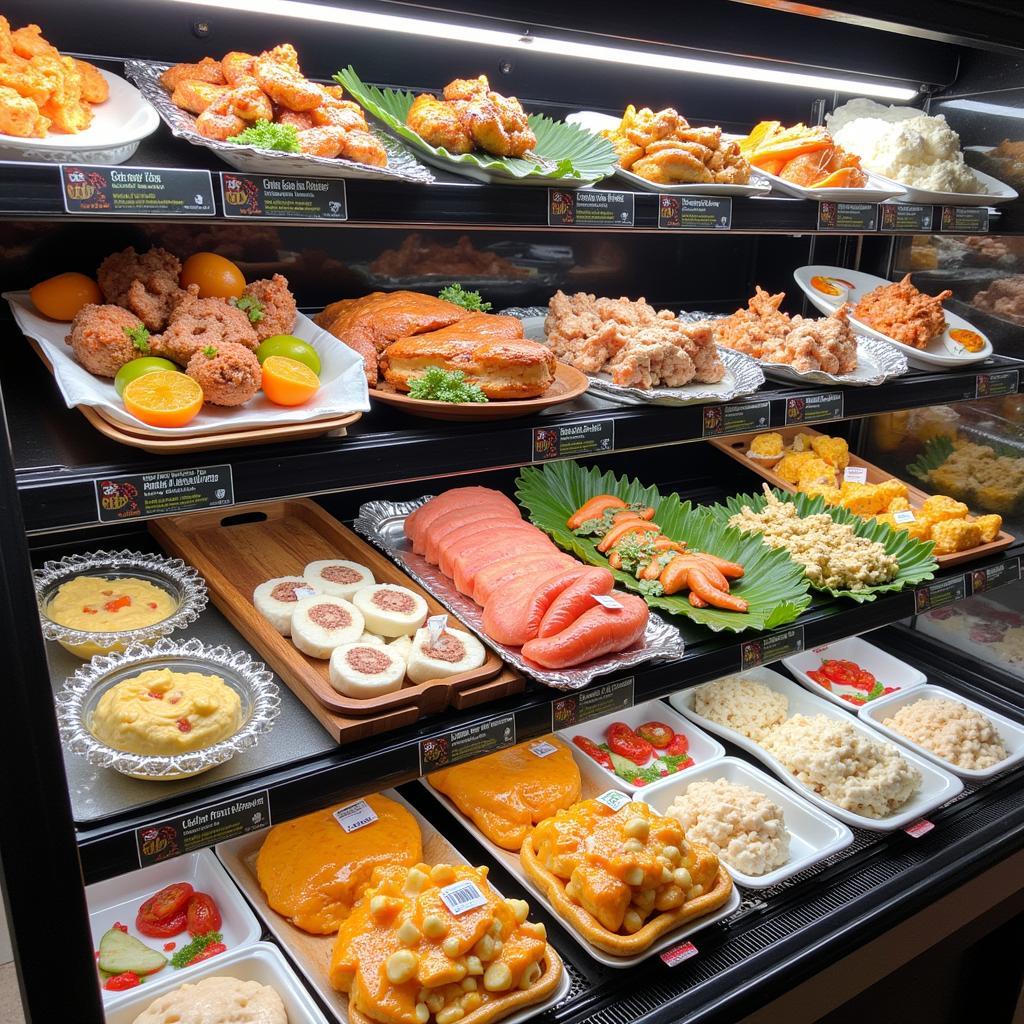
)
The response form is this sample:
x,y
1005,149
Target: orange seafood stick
x,y
594,509
513,615
619,530
576,599
595,633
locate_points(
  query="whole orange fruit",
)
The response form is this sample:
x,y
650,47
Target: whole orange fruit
x,y
61,297
216,276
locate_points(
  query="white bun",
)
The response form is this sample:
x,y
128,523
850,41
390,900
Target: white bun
x,y
338,577
366,670
322,622
456,651
276,611
401,646
390,610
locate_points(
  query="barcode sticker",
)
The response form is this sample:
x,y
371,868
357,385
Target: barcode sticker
x,y
607,602
355,816
613,798
919,828
301,592
906,516
677,954
543,749
462,896
436,624
856,474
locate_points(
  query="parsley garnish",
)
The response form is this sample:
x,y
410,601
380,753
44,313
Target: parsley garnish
x,y
138,336
437,385
468,300
192,949
209,351
267,135
250,306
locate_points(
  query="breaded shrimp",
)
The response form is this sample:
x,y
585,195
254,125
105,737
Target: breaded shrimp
x,y
20,116
94,86
364,147
104,338
28,42
274,310
229,374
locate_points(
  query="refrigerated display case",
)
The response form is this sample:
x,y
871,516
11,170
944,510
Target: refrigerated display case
x,y
83,844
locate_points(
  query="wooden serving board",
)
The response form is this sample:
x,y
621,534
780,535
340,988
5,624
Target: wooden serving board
x,y
236,550
736,446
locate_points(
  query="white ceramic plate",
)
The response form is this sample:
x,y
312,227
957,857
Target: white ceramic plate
x,y
119,124
813,835
261,962
118,899
936,786
597,122
703,748
342,381
1011,733
998,192
943,351
889,671
877,190
311,953
593,784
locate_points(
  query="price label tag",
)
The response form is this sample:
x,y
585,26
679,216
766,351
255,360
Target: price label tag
x,y
571,440
971,220
772,647
856,474
852,217
677,954
543,749
462,896
940,593
595,702
436,626
589,208
904,516
694,213
467,743
919,828
992,385
992,576
301,592
143,495
607,602
137,191
737,418
355,816
906,217
613,798
263,196
815,408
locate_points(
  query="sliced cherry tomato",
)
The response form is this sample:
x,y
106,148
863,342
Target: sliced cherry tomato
x,y
164,929
678,745
591,749
121,982
211,950
821,679
658,734
202,914
627,744
169,901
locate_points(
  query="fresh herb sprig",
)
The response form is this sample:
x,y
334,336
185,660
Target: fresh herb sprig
x,y
139,337
184,956
437,385
267,135
458,295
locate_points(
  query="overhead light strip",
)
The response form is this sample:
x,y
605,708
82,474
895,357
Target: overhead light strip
x,y
557,47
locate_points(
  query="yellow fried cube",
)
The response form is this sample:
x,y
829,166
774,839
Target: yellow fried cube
x,y
952,535
802,443
941,508
901,504
815,471
789,467
989,527
827,491
861,499
834,450
890,489
767,444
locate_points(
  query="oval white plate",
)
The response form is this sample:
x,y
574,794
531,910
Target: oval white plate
x,y
118,125
998,192
876,190
942,350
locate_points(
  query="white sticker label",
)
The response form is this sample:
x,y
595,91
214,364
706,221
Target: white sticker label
x,y
355,816
462,896
607,602
543,749
906,516
301,592
436,624
613,798
856,474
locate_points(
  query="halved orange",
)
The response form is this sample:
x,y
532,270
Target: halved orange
x,y
163,398
286,381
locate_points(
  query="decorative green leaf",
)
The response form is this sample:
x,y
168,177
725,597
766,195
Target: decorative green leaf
x,y
773,584
935,453
916,563
565,151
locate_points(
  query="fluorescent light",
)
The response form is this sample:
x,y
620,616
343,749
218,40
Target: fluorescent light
x,y
977,106
557,47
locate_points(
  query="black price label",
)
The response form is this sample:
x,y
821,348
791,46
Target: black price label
x,y
215,823
467,743
847,216
939,594
992,385
143,495
992,576
815,408
772,647
735,419
595,702
906,217
694,213
262,195
136,191
972,220
572,440
587,208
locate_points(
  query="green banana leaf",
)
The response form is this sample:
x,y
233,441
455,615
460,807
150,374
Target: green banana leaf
x,y
916,563
773,584
935,453
565,150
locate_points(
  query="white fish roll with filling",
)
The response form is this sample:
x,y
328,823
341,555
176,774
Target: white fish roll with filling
x,y
363,671
276,599
454,652
338,576
390,610
323,622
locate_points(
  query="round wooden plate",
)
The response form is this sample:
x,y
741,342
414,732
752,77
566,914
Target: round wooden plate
x,y
569,383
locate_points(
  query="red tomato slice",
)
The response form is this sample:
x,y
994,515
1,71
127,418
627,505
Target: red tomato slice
x,y
678,745
168,902
624,742
121,982
164,929
658,734
212,950
591,749
202,914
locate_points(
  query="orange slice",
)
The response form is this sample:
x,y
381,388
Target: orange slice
x,y
164,398
286,381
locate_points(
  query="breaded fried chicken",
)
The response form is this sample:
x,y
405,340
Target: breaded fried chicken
x,y
748,330
270,307
104,338
827,343
904,313
200,323
146,283
229,374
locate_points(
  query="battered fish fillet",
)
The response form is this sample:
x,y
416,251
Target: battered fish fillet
x,y
146,283
100,341
197,323
827,343
276,310
229,374
904,313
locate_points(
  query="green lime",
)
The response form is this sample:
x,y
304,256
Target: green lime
x,y
291,347
136,368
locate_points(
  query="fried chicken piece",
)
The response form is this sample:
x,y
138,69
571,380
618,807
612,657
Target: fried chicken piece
x,y
238,67
365,148
228,373
326,141
101,341
645,126
28,42
499,125
650,358
748,330
219,120
342,113
284,83
198,323
145,283
20,116
671,165
65,108
467,88
439,124
272,308
300,120
904,313
29,83
195,96
95,88
207,70
827,343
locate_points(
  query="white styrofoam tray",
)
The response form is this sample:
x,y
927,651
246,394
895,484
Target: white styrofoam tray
x,y
813,834
261,962
118,899
1011,732
703,748
936,786
889,671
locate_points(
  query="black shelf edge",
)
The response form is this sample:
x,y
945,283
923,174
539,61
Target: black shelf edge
x,y
109,848
62,458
